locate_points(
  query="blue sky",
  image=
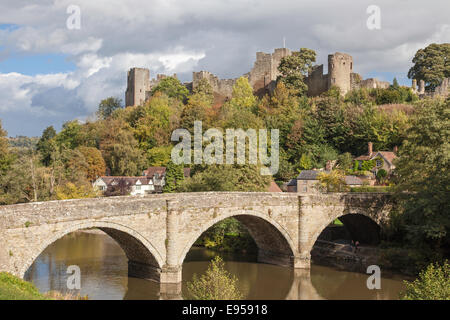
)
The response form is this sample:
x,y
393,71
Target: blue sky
x,y
50,74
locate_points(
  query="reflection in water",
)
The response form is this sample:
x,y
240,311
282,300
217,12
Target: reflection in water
x,y
104,274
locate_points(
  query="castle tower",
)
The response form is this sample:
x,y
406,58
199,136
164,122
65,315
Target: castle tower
x,y
340,68
138,84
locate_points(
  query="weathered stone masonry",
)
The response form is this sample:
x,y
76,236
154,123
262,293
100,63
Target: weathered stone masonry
x,y
157,231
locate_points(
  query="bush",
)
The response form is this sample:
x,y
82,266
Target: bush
x,y
432,284
215,284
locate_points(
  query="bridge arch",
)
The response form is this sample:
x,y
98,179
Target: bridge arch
x,y
360,224
275,245
144,261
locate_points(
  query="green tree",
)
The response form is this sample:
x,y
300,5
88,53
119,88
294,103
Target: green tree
x,y
422,175
332,182
242,96
71,135
432,284
216,284
294,69
5,156
108,106
431,64
345,161
226,178
174,177
46,145
381,175
159,156
121,152
305,162
172,87
204,89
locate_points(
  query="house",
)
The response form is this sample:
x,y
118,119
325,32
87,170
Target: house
x,y
384,159
353,181
151,181
307,180
122,184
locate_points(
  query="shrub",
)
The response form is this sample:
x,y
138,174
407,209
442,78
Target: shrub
x,y
215,284
432,284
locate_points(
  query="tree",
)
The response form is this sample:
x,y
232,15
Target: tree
x,y
46,145
5,157
242,96
204,88
70,135
174,176
305,162
226,178
381,175
294,69
172,87
121,153
332,182
159,156
73,191
96,166
422,175
431,64
108,106
216,284
345,161
432,284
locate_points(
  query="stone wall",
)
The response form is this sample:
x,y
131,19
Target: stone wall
x,y
138,84
262,77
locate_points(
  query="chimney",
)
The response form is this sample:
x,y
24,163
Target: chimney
x,y
328,166
395,150
370,148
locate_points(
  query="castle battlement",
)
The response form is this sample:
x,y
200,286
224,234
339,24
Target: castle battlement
x,y
262,77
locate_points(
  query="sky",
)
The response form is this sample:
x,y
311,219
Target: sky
x,y
51,72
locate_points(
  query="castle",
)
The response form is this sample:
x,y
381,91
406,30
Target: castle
x,y
262,77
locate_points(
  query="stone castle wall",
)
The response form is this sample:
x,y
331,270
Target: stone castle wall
x,y
262,77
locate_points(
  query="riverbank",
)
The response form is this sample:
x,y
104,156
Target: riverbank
x,y
14,288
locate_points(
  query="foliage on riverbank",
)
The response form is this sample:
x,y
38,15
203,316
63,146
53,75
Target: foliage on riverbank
x,y
433,283
14,288
228,235
215,284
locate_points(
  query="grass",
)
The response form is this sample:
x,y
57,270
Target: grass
x,y
14,288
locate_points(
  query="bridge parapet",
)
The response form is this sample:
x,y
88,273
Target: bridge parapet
x,y
157,231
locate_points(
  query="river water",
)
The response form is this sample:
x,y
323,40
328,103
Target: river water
x,y
104,266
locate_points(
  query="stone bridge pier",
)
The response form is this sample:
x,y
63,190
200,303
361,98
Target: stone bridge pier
x,y
157,231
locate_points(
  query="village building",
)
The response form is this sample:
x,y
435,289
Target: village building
x,y
151,181
383,159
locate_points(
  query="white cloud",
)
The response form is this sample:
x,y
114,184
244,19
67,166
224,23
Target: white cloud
x,y
171,36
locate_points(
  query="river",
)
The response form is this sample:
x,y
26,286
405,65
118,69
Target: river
x,y
104,266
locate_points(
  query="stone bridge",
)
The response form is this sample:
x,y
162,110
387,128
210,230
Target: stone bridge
x,y
157,231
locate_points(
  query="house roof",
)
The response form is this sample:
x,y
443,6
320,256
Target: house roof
x,y
292,182
353,180
388,155
109,180
308,175
273,187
